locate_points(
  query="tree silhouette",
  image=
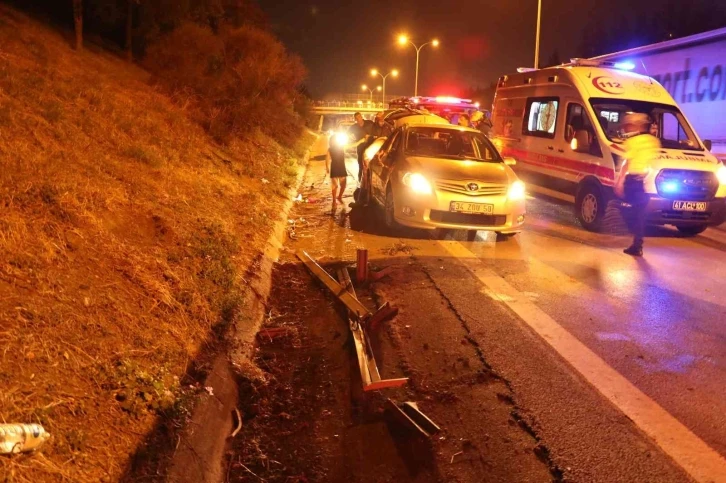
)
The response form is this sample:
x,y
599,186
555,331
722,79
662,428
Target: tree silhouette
x,y
554,59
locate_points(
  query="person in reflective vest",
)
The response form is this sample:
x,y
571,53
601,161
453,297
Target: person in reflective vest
x,y
641,148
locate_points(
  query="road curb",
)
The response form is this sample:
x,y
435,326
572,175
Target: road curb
x,y
201,450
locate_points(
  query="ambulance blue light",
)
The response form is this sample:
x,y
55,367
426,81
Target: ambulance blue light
x,y
624,65
669,187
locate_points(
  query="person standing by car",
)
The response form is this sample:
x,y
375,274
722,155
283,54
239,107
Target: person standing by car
x,y
480,122
641,148
335,167
381,129
464,120
361,131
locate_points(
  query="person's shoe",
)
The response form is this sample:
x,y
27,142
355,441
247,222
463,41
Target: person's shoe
x,y
634,251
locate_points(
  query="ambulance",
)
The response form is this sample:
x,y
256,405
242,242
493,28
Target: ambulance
x,y
564,127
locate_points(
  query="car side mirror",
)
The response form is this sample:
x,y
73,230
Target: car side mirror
x,y
707,144
581,142
510,161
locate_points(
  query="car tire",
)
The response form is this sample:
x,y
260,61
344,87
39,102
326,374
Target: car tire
x,y
504,236
441,233
389,210
692,230
590,207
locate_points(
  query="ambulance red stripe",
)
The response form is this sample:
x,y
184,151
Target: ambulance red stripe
x,y
606,175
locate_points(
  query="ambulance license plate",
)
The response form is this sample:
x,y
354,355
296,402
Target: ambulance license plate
x,y
690,205
472,208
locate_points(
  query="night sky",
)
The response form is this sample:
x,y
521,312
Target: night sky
x,y
481,40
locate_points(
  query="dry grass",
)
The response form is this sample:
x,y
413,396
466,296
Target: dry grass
x,y
123,234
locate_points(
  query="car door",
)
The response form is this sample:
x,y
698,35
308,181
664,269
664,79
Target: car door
x,y
380,166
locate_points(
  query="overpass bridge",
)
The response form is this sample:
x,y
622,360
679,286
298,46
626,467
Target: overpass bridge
x,y
346,107
329,112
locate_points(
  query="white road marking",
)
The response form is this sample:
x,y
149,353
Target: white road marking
x,y
701,461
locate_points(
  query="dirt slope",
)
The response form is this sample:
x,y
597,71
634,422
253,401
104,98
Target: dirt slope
x,y
125,235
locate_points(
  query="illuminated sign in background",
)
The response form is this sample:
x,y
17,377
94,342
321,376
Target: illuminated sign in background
x,y
696,78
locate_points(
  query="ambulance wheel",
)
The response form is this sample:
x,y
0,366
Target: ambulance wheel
x,y
692,230
590,206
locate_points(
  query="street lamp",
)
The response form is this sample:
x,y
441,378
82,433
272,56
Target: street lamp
x,y
366,88
394,73
536,42
403,40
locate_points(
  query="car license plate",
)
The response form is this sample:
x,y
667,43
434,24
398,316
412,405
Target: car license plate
x,y
689,205
475,208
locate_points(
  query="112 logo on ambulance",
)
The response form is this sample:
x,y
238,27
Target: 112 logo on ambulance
x,y
608,85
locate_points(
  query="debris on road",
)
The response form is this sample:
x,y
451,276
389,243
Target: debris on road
x,y
273,332
358,310
398,247
359,315
455,455
412,410
384,312
19,438
366,362
265,181
239,424
411,416
361,273
376,276
293,226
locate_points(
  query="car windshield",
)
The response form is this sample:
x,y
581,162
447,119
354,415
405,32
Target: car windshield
x,y
445,141
669,125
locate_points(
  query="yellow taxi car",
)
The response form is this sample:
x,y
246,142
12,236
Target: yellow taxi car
x,y
448,177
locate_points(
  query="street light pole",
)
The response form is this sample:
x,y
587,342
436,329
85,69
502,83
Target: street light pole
x,y
366,88
394,73
415,82
403,40
536,43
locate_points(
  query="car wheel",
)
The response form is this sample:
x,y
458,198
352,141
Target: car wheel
x,y
692,230
441,233
504,236
590,207
389,210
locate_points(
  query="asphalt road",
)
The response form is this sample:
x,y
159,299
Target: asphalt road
x,y
619,363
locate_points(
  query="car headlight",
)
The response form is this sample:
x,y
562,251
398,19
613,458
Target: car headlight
x,y
418,183
516,191
341,138
721,175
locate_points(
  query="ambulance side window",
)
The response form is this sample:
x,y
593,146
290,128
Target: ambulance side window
x,y
540,117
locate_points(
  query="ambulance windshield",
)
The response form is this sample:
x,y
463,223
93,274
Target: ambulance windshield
x,y
669,125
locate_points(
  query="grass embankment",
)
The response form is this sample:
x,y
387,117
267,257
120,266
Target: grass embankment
x,y
124,232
